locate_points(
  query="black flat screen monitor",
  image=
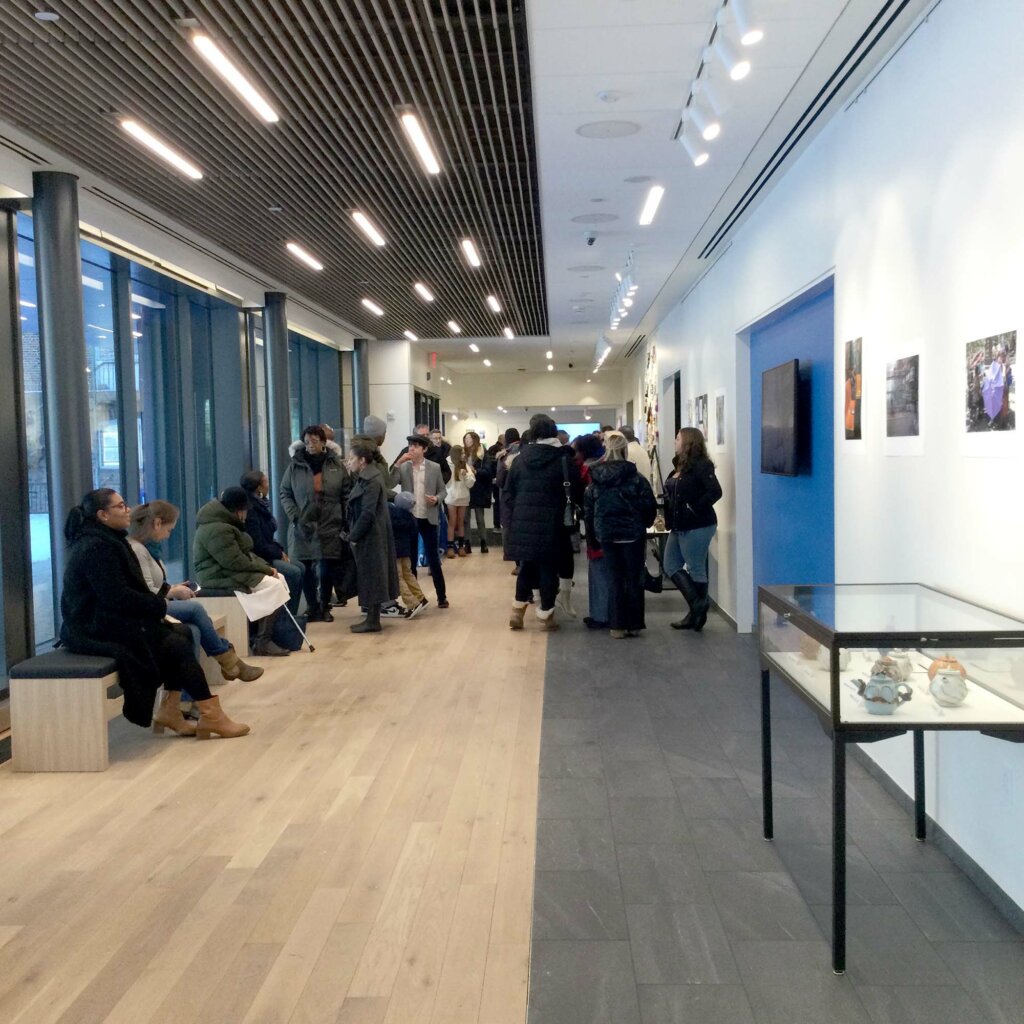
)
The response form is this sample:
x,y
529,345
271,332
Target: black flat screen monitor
x,y
780,388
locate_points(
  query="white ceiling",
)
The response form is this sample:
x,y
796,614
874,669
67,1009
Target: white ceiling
x,y
645,53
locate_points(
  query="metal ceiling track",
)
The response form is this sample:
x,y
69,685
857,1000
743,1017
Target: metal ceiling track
x,y
337,71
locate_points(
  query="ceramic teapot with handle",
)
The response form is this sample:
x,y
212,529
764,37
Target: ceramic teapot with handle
x,y
882,694
947,681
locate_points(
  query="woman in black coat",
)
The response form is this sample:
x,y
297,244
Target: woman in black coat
x,y
107,609
619,506
543,476
690,494
483,465
369,533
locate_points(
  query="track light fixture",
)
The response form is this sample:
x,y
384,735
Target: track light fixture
x,y
709,128
750,31
736,66
697,153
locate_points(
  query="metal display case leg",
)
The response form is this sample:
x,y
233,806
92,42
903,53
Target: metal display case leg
x,y
766,756
838,854
919,823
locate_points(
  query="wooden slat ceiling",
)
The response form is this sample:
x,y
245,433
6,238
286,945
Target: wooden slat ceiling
x,y
335,70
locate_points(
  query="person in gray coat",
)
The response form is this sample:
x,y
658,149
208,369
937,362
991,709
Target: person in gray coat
x,y
314,492
423,479
370,535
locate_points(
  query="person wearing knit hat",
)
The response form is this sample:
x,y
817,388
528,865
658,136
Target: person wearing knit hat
x,y
375,427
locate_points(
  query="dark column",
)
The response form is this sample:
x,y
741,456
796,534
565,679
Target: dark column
x,y
15,539
275,344
360,382
63,354
128,409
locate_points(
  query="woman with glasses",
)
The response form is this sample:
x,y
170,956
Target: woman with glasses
x,y
108,610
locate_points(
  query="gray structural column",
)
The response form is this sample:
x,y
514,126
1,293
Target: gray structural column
x,y
275,342
63,353
15,539
360,382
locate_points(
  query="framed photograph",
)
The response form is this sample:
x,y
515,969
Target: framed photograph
x,y
902,397
990,392
853,396
719,419
702,415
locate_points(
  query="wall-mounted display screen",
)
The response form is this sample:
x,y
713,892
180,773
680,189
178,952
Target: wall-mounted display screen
x,y
780,389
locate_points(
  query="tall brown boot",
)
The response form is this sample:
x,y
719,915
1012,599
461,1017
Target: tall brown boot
x,y
232,667
515,620
213,721
169,716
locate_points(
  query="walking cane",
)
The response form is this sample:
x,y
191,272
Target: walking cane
x,y
299,628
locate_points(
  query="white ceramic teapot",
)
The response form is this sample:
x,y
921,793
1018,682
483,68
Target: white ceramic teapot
x,y
947,681
882,694
903,663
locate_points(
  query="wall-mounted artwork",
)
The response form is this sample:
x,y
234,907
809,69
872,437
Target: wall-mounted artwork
x,y
720,419
702,415
902,398
691,417
991,385
853,390
651,399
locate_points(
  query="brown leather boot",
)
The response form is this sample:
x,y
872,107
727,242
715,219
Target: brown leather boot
x,y
213,721
232,667
169,716
515,620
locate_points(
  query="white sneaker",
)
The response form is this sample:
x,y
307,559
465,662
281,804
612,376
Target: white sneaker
x,y
393,611
412,612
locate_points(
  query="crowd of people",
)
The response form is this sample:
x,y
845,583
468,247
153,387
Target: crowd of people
x,y
357,529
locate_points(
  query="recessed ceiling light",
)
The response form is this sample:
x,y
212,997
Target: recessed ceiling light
x,y
494,304
549,355
162,150
552,408
474,347
232,74
46,16
423,291
454,327
470,250
588,380
300,254
368,228
372,307
551,366
507,331
410,336
418,137
276,208
654,195
487,362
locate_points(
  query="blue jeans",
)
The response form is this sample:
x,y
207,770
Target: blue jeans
x,y
192,613
293,573
688,549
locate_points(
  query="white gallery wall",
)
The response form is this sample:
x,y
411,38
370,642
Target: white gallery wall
x,y
912,197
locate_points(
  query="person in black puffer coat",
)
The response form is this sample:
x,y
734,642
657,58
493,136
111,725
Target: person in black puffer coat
x,y
619,506
533,516
690,494
108,609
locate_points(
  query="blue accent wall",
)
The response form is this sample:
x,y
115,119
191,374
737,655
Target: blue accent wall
x,y
794,517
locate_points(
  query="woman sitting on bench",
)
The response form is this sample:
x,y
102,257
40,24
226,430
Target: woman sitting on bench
x,y
108,610
151,525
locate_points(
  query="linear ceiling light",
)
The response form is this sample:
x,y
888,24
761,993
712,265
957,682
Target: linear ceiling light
x,y
454,327
410,335
487,362
474,347
372,307
651,205
300,254
698,154
750,31
229,71
494,304
472,256
162,150
736,66
418,137
368,228
507,331
423,291
26,304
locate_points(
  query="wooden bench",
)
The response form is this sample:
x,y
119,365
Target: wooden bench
x,y
59,712
236,626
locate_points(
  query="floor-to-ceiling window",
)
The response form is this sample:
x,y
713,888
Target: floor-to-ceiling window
x,y
260,441
314,372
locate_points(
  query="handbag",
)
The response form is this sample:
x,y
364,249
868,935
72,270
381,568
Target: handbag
x,y
569,513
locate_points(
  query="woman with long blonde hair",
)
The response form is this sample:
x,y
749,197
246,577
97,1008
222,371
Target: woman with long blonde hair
x,y
690,494
457,500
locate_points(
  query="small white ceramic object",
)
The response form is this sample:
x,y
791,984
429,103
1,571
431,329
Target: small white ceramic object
x,y
948,687
903,663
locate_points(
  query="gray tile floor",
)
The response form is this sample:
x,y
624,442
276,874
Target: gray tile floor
x,y
658,902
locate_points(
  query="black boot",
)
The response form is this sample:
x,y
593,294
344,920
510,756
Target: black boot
x,y
686,586
483,546
467,546
325,612
700,611
265,646
371,624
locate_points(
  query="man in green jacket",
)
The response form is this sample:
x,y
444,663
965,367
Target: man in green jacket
x,y
223,558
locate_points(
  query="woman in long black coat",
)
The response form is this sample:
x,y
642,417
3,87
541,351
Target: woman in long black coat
x,y
369,533
107,609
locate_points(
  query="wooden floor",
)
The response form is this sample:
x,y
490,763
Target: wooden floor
x,y
366,855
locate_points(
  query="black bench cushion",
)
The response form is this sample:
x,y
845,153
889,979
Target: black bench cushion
x,y
214,592
62,664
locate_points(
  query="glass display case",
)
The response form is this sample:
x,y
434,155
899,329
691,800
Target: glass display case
x,y
895,656
879,660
